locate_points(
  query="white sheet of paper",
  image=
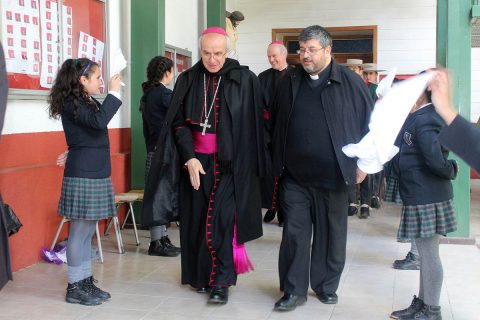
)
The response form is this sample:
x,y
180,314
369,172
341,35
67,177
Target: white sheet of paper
x,y
388,116
49,21
118,63
21,36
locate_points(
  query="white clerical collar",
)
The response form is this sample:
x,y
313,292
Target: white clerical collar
x,y
313,76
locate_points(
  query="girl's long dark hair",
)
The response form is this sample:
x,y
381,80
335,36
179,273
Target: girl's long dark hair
x,y
67,83
156,69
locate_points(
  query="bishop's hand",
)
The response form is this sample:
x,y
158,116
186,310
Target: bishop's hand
x,y
194,169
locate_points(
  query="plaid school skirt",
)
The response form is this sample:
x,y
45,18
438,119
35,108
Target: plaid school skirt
x,y
392,192
87,199
426,220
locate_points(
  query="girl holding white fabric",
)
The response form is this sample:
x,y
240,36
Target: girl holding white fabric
x,y
424,174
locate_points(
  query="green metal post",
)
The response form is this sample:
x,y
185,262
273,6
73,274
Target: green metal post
x,y
216,13
148,40
454,52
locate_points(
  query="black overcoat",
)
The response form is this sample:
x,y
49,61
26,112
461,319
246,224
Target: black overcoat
x,y
243,98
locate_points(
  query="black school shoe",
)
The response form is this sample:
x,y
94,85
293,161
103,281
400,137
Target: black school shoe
x,y
88,284
416,305
161,248
411,262
76,294
166,241
427,313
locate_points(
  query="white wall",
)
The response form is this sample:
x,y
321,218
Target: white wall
x,y
406,28
181,25
27,116
475,108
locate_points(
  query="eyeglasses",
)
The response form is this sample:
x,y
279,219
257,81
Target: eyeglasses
x,y
312,50
215,55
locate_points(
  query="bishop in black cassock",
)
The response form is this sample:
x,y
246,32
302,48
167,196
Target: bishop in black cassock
x,y
207,168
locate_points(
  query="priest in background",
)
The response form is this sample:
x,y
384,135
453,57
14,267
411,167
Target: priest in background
x,y
277,57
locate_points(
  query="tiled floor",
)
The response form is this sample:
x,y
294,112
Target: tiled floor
x,y
145,287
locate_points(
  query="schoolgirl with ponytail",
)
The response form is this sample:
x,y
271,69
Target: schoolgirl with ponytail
x,y
153,106
87,192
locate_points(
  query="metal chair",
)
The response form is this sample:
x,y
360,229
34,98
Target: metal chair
x,y
128,199
97,233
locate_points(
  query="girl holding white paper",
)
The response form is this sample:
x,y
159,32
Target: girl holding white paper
x,y
87,192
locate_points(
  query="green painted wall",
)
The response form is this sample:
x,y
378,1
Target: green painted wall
x,y
454,52
216,13
148,40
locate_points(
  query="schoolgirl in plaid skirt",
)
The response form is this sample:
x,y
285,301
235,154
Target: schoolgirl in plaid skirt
x,y
87,192
424,175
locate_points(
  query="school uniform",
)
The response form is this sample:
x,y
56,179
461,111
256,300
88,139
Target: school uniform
x,y
87,190
424,174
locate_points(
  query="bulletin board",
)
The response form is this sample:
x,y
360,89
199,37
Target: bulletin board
x,y
38,35
182,59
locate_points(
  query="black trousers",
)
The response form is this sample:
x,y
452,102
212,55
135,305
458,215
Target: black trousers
x,y
365,191
324,212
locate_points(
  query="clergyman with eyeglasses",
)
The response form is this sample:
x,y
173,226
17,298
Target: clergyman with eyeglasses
x,y
318,108
210,155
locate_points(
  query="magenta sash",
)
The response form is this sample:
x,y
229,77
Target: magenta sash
x,y
206,144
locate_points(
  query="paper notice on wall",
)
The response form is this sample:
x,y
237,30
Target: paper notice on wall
x,y
21,36
91,48
67,36
50,42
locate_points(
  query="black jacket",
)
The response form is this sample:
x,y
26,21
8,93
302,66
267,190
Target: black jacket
x,y
243,98
463,138
422,167
87,138
347,104
156,103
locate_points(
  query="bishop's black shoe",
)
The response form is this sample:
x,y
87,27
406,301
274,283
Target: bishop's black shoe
x,y
218,295
269,215
289,302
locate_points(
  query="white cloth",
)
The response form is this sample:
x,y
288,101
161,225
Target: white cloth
x,y
386,83
377,146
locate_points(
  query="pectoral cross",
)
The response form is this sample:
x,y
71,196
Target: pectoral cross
x,y
205,125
